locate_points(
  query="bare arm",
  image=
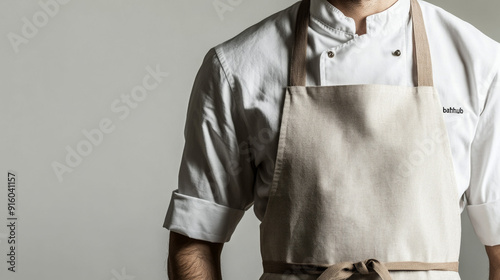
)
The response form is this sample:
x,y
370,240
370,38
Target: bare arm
x,y
494,256
193,259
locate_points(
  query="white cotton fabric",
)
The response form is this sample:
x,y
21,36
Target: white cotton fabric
x,y
235,107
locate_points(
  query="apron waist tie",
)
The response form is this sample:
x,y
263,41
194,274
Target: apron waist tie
x,y
344,270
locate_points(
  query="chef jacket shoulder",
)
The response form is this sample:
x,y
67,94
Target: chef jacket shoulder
x,y
460,50
260,54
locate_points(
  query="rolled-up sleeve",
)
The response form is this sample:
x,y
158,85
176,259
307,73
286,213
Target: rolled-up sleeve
x,y
483,194
216,175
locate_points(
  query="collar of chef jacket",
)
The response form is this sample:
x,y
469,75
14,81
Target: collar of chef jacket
x,y
386,21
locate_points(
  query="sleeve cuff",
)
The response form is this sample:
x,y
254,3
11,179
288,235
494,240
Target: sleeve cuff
x,y
485,219
201,219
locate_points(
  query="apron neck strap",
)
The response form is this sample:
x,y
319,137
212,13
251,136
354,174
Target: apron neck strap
x,y
421,52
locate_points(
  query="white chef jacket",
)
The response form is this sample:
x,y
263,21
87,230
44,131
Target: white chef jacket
x,y
233,117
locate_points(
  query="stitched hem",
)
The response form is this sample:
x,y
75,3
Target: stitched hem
x,y
201,219
485,221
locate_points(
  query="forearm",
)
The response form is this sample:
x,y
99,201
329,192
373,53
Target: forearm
x,y
494,274
191,259
494,256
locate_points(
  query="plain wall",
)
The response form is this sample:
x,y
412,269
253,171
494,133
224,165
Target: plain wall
x,y
103,219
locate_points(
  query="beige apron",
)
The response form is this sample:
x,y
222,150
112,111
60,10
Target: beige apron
x,y
364,183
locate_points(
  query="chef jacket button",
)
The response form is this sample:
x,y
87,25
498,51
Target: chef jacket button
x,y
331,54
396,53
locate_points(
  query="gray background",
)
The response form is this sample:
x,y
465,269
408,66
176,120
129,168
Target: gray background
x,y
103,220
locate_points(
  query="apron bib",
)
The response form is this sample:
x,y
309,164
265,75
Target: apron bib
x,y
363,185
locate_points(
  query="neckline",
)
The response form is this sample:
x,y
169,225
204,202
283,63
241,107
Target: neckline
x,y
385,21
421,51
